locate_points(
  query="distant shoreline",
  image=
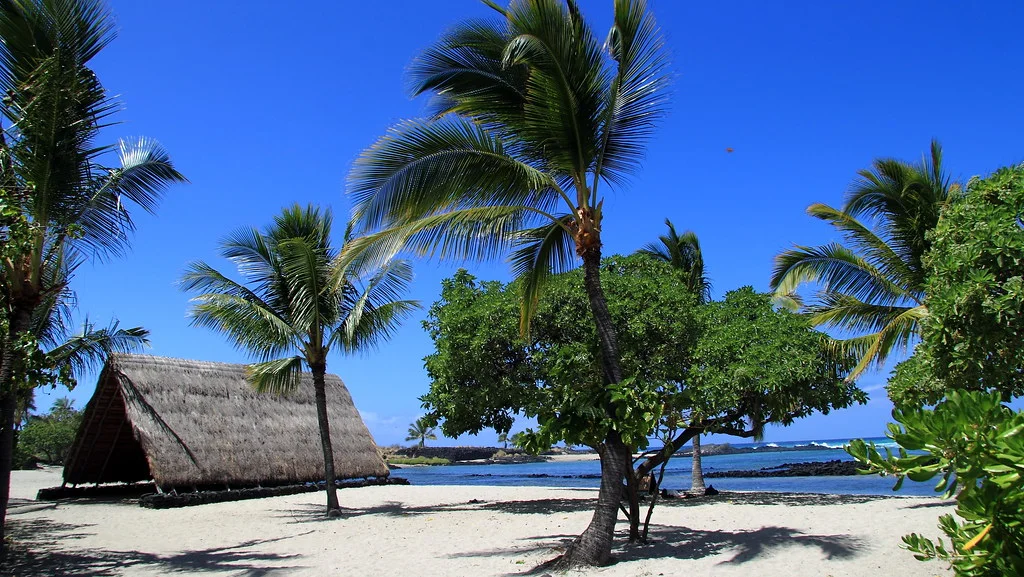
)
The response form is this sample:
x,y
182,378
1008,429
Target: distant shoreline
x,y
501,455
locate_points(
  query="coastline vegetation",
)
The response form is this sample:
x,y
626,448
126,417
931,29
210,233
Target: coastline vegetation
x,y
398,460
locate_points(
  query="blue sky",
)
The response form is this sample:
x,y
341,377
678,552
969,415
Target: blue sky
x,y
262,105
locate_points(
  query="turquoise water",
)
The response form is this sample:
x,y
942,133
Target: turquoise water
x,y
677,474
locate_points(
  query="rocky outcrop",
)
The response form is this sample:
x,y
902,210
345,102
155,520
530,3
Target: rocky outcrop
x,y
835,468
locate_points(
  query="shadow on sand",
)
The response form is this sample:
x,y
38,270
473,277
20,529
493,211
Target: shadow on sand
x,y
683,543
36,550
316,513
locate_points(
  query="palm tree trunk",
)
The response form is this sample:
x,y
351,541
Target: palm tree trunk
x,y
606,335
594,546
18,323
697,472
319,370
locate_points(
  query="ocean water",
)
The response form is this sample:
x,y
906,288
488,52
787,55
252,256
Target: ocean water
x,y
677,474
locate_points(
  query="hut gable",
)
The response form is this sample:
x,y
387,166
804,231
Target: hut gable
x,y
192,423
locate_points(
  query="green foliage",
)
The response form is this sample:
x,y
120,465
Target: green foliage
x,y
975,326
873,283
295,298
730,362
970,359
394,460
49,437
766,364
421,430
975,445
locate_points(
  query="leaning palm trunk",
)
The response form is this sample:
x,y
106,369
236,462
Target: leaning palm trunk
x,y
532,113
697,472
593,546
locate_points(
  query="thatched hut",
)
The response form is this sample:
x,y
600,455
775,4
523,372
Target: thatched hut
x,y
200,424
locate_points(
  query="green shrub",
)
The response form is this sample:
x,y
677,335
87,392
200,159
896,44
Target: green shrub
x,y
394,460
970,359
974,444
48,438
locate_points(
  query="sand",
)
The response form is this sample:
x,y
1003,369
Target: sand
x,y
460,531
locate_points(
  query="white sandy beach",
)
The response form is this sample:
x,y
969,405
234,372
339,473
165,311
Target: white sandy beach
x,y
459,531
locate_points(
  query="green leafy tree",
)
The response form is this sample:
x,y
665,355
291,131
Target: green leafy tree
x,y
49,437
969,361
421,430
683,253
61,200
531,115
875,282
976,445
736,365
973,335
295,298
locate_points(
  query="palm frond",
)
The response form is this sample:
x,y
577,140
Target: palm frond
x,y
278,377
683,253
88,350
837,269
874,349
466,71
146,171
542,252
567,85
848,313
237,312
462,234
308,270
638,96
890,260
418,169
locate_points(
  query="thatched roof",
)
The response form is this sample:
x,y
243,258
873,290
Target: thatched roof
x,y
191,423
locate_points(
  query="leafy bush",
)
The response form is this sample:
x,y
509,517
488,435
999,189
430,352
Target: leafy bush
x,y
49,437
975,444
975,325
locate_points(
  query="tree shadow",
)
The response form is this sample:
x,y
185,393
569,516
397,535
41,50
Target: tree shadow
x,y
316,513
768,498
943,503
683,543
35,551
541,506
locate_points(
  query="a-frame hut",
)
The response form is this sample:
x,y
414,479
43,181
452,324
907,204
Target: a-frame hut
x,y
201,424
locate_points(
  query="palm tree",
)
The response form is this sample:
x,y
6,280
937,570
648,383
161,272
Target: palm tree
x,y
874,283
296,299
60,199
684,254
421,430
531,115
